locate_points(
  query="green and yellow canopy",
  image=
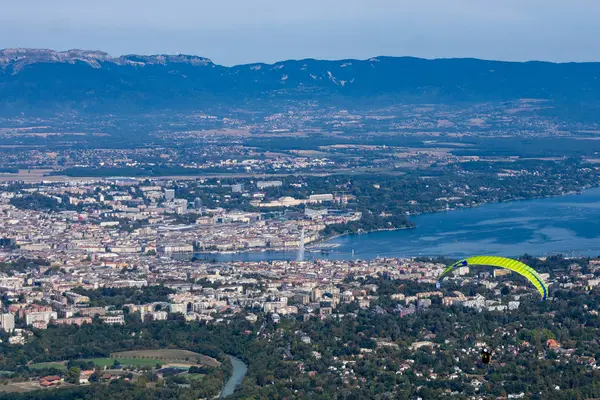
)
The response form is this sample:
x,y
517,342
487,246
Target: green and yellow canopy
x,y
507,263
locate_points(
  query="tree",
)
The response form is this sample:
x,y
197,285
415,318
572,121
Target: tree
x,y
73,375
142,381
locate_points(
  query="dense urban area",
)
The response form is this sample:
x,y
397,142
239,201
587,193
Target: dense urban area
x,y
109,291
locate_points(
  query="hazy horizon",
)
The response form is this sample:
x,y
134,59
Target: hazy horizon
x,y
116,55
236,32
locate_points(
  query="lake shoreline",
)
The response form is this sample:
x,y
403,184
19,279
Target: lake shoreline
x,y
340,235
324,240
544,226
295,249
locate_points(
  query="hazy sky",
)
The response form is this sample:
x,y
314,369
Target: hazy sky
x,y
243,31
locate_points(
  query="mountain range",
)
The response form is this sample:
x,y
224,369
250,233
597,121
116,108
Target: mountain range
x,y
41,81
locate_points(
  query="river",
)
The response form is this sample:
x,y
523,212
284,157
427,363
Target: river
x,y
567,224
239,371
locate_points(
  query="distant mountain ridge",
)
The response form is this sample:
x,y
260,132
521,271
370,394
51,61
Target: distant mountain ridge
x,y
18,58
37,80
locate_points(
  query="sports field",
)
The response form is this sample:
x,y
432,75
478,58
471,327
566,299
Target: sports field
x,y
136,362
143,358
168,355
56,365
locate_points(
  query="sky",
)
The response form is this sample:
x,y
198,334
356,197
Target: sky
x,y
244,31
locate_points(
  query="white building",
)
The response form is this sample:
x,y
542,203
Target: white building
x,y
11,282
43,316
169,194
155,316
178,308
113,319
7,322
312,213
477,302
273,306
268,184
175,248
317,198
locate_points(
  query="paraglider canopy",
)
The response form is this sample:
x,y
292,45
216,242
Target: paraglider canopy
x,y
501,262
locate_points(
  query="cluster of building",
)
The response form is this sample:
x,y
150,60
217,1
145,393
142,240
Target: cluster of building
x,y
37,309
35,299
212,292
108,219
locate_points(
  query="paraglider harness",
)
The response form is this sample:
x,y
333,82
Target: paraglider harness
x,y
486,356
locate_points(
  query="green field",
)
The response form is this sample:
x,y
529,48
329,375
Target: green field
x,y
143,358
136,362
193,377
48,365
169,355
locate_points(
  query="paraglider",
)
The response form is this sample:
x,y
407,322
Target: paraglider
x,y
486,356
501,262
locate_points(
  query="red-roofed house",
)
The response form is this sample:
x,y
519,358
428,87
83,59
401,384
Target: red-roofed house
x,y
50,380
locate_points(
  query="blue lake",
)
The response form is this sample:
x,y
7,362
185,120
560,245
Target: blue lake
x,y
569,225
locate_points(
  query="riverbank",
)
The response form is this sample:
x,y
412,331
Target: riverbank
x,y
239,372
